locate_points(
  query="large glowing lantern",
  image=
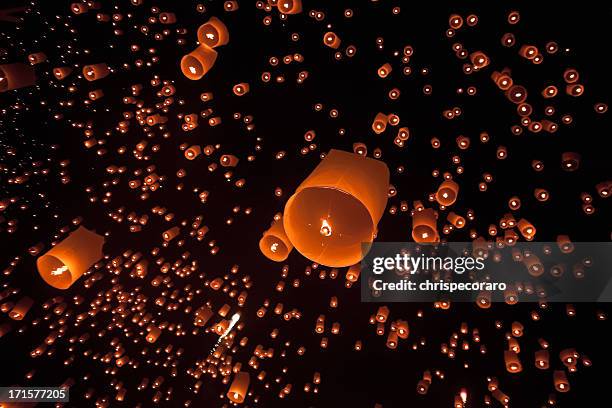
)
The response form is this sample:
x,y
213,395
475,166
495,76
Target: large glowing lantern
x,y
63,264
238,390
337,208
17,75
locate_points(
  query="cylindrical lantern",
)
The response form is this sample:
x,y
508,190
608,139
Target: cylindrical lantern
x,y
513,364
290,6
331,40
19,311
198,62
353,273
213,33
17,75
424,225
337,208
274,244
95,72
561,382
542,359
192,152
238,390
447,192
61,72
63,264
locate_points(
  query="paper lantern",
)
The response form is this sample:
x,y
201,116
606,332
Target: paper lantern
x,y
447,192
228,160
14,76
213,33
353,273
238,390
241,89
19,311
95,72
527,229
79,8
289,6
37,58
424,228
61,72
561,382
331,40
337,209
153,334
542,359
192,152
167,18
198,62
63,264
274,244
380,123
565,244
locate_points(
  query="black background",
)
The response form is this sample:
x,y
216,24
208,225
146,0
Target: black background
x,y
283,112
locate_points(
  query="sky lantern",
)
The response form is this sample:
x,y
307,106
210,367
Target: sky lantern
x,y
63,264
337,208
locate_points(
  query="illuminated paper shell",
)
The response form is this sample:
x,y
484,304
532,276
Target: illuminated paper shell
x,y
198,62
238,390
337,208
14,76
274,244
63,264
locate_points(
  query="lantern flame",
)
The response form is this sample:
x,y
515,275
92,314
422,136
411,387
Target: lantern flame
x,y
326,229
59,271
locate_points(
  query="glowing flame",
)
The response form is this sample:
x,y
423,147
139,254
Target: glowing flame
x,y
274,247
192,70
463,395
210,36
326,229
59,271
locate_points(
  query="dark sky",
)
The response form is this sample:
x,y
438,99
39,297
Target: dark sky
x,y
282,113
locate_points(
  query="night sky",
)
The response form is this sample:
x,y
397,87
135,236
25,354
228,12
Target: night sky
x,y
52,180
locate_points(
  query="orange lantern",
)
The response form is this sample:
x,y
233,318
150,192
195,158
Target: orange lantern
x,y
63,264
380,123
274,244
192,152
213,33
238,390
561,382
331,40
198,62
565,244
424,227
167,18
61,72
353,273
542,359
527,229
447,193
241,89
228,160
14,76
337,208
22,307
37,58
385,70
289,6
95,72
